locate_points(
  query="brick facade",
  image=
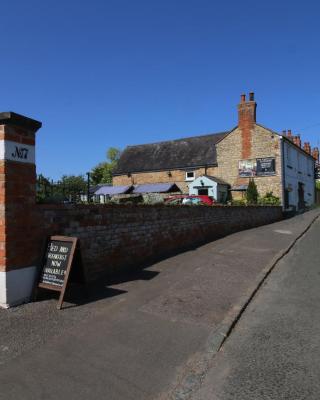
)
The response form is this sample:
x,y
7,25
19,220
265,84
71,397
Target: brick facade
x,y
175,176
116,237
263,143
17,202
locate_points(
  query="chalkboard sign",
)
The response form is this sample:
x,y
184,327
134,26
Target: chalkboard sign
x,y
266,166
57,263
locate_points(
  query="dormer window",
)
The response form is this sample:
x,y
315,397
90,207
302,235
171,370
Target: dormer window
x,y
190,175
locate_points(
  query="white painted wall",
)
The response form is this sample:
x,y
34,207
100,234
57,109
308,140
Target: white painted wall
x,y
218,191
18,152
202,182
298,167
16,286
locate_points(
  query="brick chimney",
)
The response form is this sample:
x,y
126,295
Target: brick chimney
x,y
315,154
296,140
247,119
307,147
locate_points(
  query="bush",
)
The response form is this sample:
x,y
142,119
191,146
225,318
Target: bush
x,y
240,202
269,200
252,193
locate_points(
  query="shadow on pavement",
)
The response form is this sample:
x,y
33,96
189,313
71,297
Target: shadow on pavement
x,y
78,294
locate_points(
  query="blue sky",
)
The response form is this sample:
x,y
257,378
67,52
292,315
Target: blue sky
x,y
117,72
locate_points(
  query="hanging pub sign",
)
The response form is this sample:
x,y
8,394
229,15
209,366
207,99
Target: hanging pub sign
x,y
247,168
57,263
266,166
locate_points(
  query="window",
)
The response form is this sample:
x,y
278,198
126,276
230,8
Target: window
x,y
190,175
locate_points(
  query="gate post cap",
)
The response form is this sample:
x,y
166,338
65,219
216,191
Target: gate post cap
x,y
12,118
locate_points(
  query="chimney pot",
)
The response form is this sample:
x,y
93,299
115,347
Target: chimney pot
x,y
309,148
298,141
246,121
289,133
315,154
251,96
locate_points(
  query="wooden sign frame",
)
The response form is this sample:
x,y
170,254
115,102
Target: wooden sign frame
x,y
56,288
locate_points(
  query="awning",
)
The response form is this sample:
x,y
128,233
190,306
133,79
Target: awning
x,y
112,190
156,188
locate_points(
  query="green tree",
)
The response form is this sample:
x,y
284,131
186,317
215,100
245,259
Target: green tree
x,y
73,184
269,200
252,192
113,154
102,173
69,187
43,188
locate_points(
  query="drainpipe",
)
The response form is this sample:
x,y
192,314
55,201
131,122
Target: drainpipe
x,y
88,187
282,172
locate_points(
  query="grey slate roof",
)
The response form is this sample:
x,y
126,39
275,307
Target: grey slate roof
x,y
218,180
156,188
112,190
174,154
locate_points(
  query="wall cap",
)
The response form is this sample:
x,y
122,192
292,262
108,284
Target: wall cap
x,y
12,118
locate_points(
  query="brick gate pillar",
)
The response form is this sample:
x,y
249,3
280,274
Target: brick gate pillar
x,y
18,250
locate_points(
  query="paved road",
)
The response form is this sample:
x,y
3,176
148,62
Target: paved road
x,y
143,336
274,352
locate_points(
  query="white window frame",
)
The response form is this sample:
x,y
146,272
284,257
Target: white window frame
x,y
190,178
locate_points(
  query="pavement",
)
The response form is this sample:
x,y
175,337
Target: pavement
x,y
152,334
273,352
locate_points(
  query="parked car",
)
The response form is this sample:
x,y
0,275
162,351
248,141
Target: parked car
x,y
189,200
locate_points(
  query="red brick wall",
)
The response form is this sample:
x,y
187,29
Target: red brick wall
x,y
116,237
247,120
17,204
20,194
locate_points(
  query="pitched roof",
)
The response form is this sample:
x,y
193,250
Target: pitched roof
x,y
95,188
156,188
174,154
112,190
218,180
